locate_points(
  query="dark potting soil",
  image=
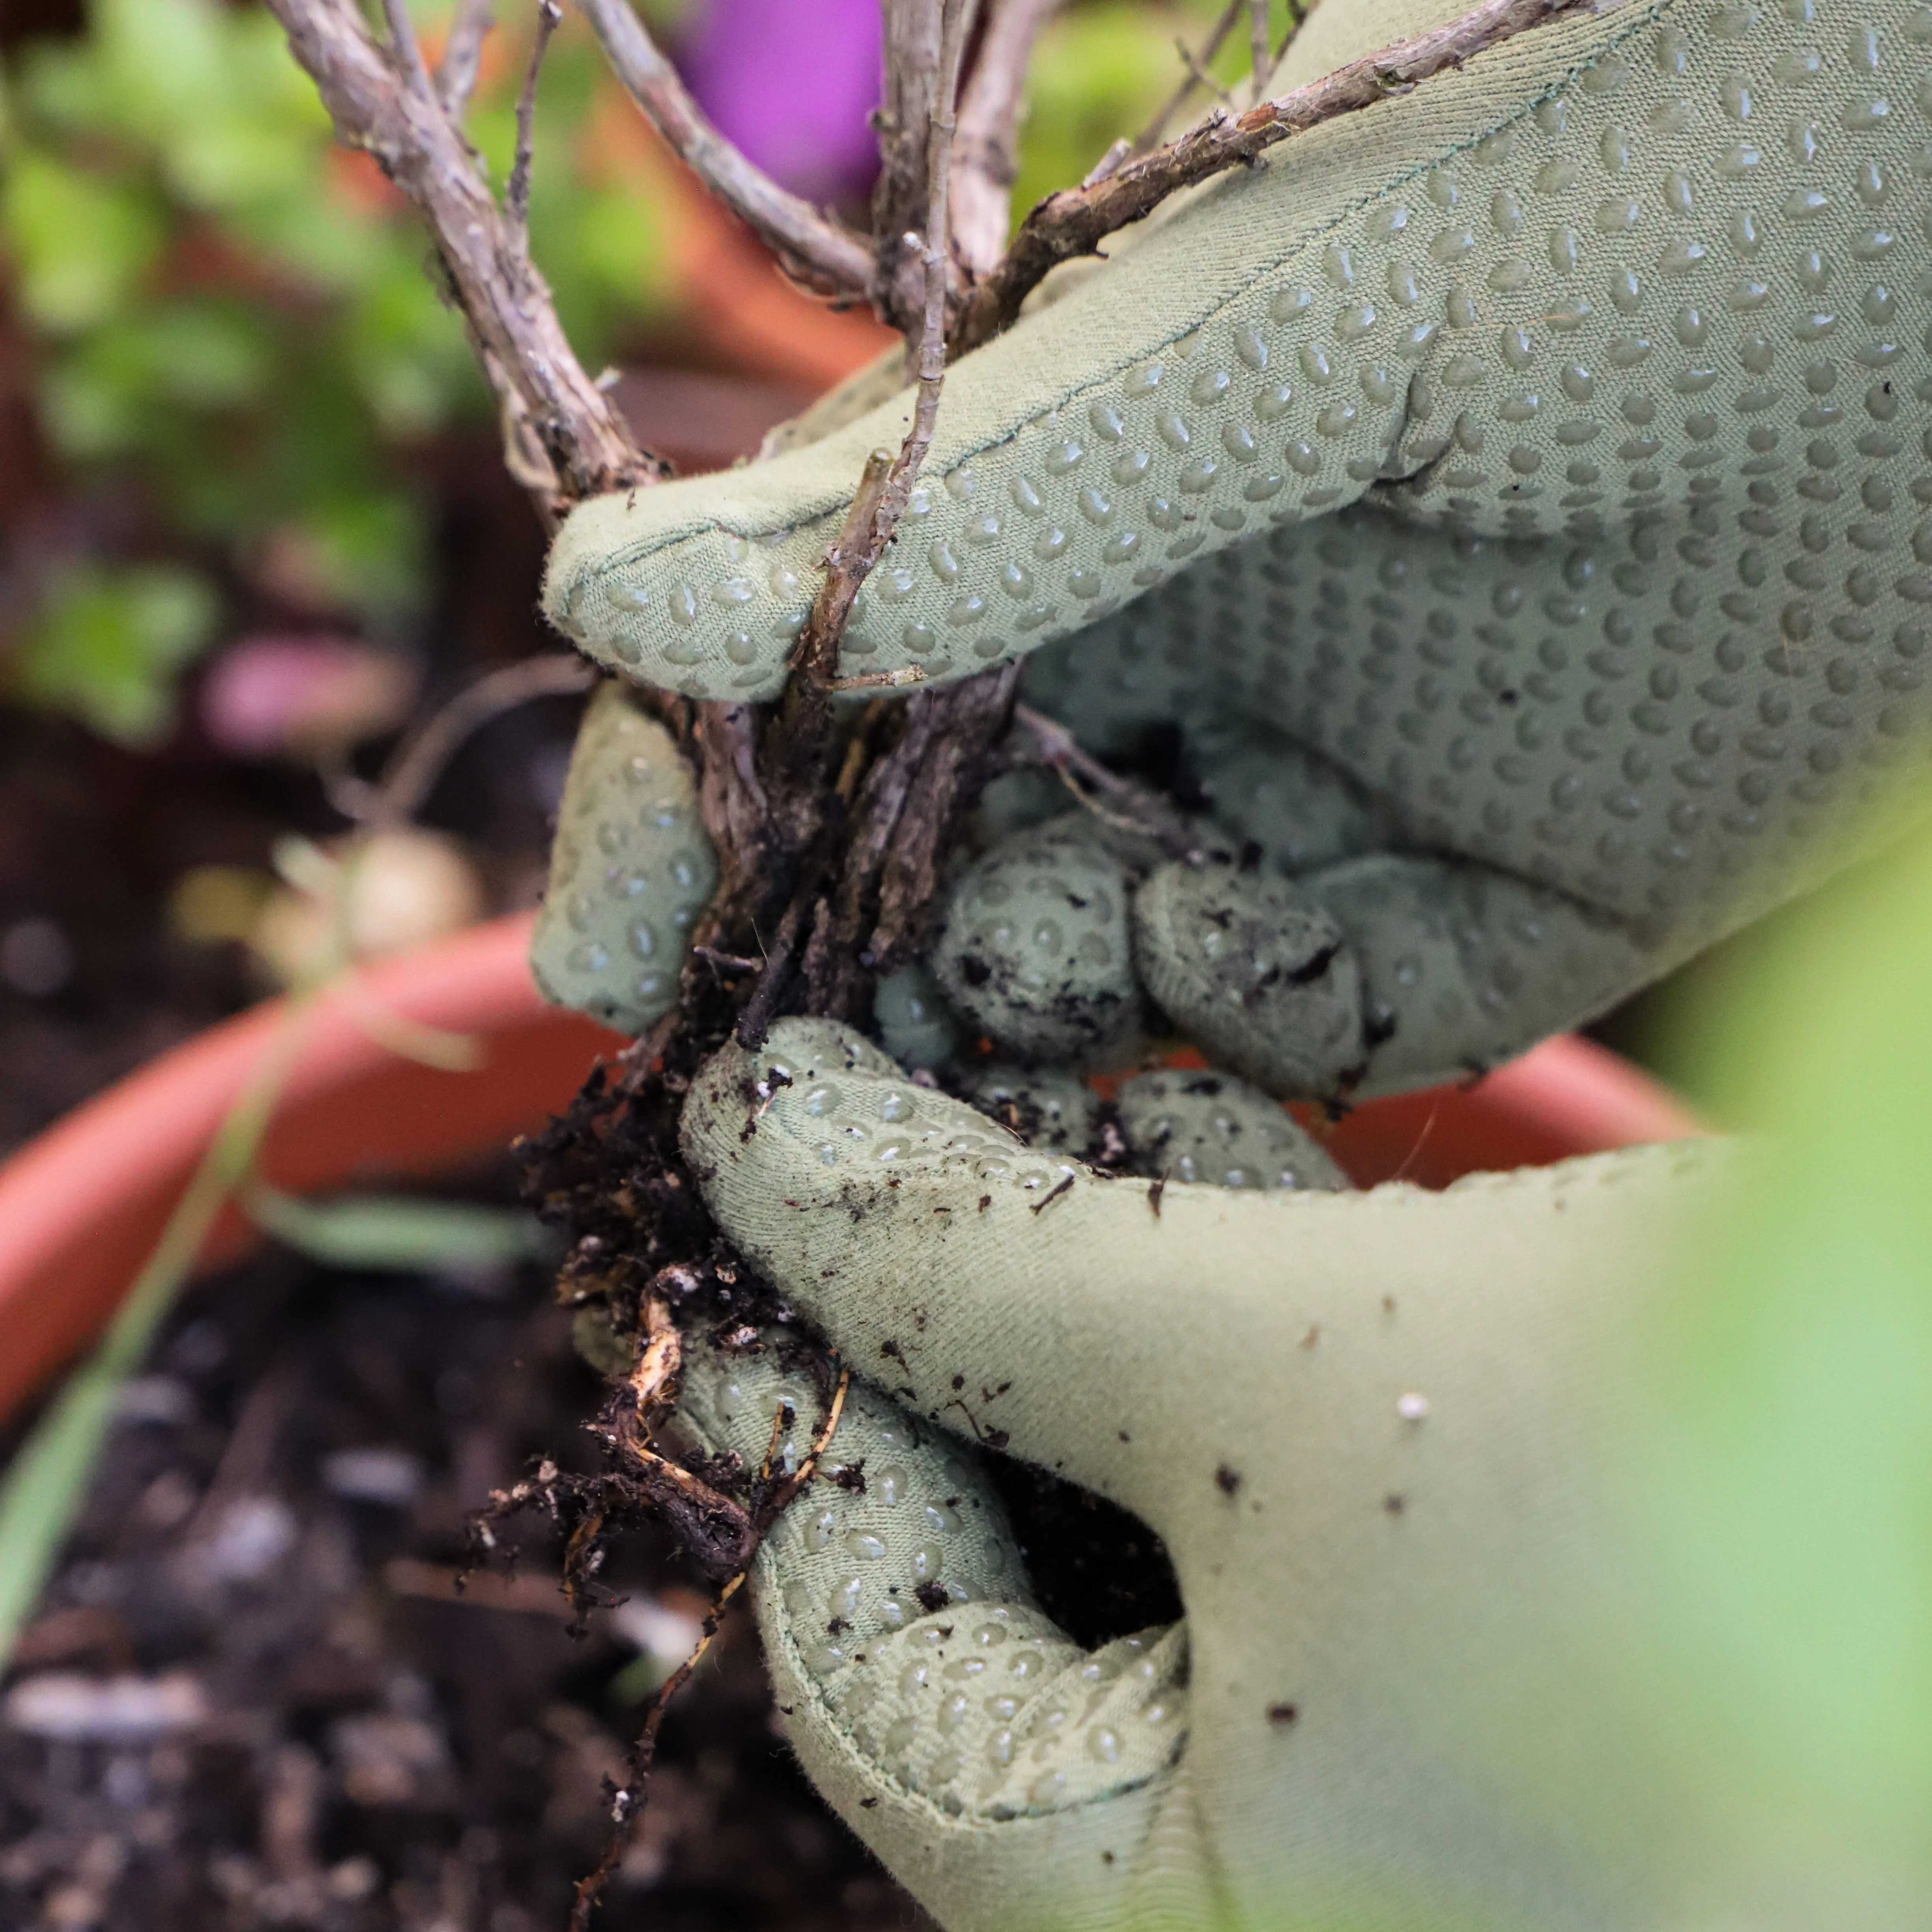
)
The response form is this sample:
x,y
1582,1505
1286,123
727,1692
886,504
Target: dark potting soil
x,y
253,1697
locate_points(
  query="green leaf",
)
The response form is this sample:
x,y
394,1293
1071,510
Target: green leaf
x,y
107,644
45,1487
397,1231
1748,1664
163,63
81,242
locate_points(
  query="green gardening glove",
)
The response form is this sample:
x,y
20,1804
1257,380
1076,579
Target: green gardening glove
x,y
1518,496
1367,1427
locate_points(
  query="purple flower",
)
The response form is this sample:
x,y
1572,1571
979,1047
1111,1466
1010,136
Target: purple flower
x,y
792,83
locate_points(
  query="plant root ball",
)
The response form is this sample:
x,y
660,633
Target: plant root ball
x,y
1257,972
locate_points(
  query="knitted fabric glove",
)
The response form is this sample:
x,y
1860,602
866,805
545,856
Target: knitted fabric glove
x,y
1518,494
1364,1425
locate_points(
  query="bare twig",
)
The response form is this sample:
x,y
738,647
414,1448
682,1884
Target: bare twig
x,y
912,31
1109,163
1198,75
504,300
1128,807
627,1804
908,807
462,55
1297,18
989,116
517,193
755,1021
793,767
1261,58
404,788
404,53
820,253
1076,220
1195,67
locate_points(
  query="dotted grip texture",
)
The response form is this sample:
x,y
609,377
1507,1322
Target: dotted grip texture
x,y
1545,453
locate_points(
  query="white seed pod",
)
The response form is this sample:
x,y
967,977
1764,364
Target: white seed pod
x,y
629,872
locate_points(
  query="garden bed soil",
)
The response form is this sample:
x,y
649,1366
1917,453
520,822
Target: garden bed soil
x,y
254,1696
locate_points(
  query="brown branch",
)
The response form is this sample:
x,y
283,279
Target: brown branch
x,y
405,787
1260,56
1194,74
462,55
1128,807
912,31
909,806
1075,221
541,386
989,116
792,766
404,53
822,254
516,191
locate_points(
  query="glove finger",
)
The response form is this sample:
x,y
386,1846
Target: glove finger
x,y
1463,966
1258,971
854,1190
1270,353
978,1750
630,869
1381,973
1209,1128
1033,946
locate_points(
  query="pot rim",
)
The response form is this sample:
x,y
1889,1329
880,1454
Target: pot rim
x,y
82,1204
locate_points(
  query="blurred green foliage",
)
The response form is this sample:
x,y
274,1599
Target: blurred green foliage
x,y
237,314
1105,69
233,316
1786,1448
1746,1664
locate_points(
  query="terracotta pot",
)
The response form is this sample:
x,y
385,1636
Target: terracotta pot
x,y
81,1206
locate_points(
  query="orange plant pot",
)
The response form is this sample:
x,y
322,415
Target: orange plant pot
x,y
81,1206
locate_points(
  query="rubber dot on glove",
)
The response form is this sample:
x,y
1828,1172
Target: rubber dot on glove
x,y
630,870
1256,971
916,1025
1211,1128
1034,947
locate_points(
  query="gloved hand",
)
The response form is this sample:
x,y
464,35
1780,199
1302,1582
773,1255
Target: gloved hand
x,y
1365,1425
1518,494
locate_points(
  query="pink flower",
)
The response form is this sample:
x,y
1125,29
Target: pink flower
x,y
792,83
267,696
